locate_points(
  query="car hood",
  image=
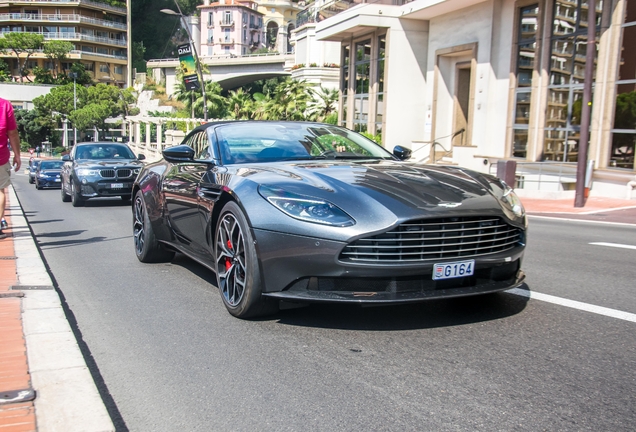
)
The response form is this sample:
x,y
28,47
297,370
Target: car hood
x,y
51,171
403,190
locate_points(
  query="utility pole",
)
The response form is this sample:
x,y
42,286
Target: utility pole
x,y
590,55
74,75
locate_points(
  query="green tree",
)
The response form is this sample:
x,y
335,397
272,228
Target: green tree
x,y
57,51
21,43
323,105
240,105
34,128
5,72
217,103
289,101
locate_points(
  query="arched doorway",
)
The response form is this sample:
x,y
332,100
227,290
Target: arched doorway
x,y
290,29
272,35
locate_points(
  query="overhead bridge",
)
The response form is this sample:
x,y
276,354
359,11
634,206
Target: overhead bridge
x,y
229,71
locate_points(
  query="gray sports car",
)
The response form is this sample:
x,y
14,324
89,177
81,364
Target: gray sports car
x,y
309,212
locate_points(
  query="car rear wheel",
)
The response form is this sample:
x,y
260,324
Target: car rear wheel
x,y
31,180
147,248
65,196
76,198
237,273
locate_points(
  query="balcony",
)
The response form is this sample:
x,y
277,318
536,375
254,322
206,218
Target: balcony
x,y
226,41
88,3
320,10
226,23
61,18
79,37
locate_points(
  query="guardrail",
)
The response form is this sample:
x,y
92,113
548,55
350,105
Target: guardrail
x,y
100,5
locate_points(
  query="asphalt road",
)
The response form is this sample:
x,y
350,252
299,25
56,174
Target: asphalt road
x,y
167,356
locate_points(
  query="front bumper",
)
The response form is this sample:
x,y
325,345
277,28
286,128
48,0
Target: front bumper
x,y
304,269
105,188
49,182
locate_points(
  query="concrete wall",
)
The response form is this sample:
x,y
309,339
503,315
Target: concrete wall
x,y
23,94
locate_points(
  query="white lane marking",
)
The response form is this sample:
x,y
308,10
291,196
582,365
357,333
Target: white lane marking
x,y
555,218
613,313
616,245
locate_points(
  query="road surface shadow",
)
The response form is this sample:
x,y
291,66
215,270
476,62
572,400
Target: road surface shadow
x,y
427,314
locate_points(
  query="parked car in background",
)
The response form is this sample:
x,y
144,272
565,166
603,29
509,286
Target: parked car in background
x,y
48,173
33,166
99,169
308,212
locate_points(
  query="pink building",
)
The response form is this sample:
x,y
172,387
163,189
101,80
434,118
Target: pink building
x,y
231,27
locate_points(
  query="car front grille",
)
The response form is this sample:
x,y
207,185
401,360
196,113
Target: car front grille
x,y
119,173
435,239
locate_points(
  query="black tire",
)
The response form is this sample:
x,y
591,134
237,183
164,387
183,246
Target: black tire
x,y
237,273
147,248
31,180
37,185
76,198
65,197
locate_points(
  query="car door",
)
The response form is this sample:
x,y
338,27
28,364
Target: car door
x,y
180,189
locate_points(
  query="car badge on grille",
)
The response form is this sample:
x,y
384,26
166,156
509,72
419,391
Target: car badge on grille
x,y
449,204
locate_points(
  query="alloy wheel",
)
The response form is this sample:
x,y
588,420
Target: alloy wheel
x,y
139,225
230,260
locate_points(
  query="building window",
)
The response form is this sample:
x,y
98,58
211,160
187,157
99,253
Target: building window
x,y
104,68
568,46
210,19
344,83
379,103
624,128
119,70
101,50
362,81
89,67
527,27
227,17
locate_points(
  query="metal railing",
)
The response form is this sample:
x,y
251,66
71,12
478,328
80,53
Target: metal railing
x,y
61,18
76,36
100,5
547,175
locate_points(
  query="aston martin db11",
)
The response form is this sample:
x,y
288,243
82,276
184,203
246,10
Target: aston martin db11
x,y
308,212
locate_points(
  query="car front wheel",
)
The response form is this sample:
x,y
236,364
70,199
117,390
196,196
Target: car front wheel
x,y
65,196
147,248
238,276
76,198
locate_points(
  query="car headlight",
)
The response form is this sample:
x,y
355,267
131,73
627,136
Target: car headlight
x,y
511,199
42,175
85,172
136,171
306,208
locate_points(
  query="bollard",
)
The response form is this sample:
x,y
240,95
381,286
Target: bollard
x,y
506,171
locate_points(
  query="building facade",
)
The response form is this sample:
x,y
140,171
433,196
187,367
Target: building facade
x,y
479,81
98,31
231,27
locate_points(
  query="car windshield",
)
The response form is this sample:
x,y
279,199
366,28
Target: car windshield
x,y
104,151
246,142
51,165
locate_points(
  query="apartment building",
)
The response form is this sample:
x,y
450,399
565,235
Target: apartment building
x,y
231,27
98,31
480,80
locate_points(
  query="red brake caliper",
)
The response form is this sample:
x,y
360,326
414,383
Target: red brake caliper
x,y
228,262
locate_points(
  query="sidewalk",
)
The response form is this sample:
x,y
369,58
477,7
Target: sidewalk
x,y
44,382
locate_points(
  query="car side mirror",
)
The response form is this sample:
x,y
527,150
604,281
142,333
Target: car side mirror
x,y
402,153
141,156
180,153
66,158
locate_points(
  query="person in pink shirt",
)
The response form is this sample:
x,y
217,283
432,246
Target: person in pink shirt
x,y
8,134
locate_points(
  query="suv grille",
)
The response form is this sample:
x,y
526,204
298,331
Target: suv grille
x,y
120,173
434,239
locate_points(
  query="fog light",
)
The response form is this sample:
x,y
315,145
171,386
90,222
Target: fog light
x,y
84,181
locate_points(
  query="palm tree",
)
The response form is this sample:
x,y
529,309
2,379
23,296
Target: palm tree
x,y
186,97
217,103
324,103
240,105
290,100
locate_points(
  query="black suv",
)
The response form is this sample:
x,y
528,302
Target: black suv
x,y
99,169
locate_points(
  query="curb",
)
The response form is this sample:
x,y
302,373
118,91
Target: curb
x,y
67,398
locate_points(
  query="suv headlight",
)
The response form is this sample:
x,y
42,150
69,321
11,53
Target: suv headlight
x,y
308,209
86,172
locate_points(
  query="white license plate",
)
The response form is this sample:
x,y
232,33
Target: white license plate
x,y
453,269
116,185
57,180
